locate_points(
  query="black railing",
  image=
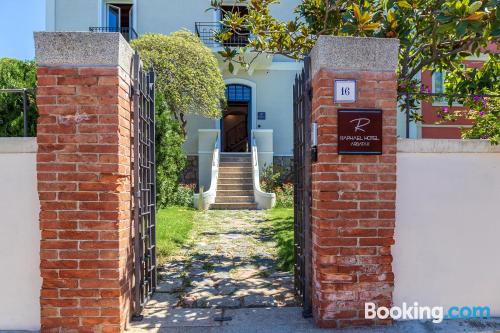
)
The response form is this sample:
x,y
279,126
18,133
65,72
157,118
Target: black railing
x,y
24,93
208,31
128,33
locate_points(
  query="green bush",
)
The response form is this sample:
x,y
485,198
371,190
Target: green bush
x,y
187,74
271,182
269,179
284,196
170,158
183,197
17,74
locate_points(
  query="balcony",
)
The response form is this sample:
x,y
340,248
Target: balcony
x,y
128,33
207,31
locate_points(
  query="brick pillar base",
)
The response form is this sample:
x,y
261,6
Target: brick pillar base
x,y
84,177
353,196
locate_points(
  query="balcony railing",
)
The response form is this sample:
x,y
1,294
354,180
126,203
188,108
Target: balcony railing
x,y
128,33
207,31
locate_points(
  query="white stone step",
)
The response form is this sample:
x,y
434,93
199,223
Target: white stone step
x,y
232,193
236,180
240,198
233,206
235,187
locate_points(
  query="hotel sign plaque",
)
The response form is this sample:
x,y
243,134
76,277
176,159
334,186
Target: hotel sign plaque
x,y
359,132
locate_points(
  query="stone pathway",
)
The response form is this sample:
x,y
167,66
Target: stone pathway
x,y
230,263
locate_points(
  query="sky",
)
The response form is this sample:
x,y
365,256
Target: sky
x,y
18,20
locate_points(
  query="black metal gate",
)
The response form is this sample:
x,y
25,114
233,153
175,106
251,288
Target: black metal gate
x,y
302,186
144,185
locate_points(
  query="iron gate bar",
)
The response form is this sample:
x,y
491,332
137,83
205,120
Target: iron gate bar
x,y
302,187
144,186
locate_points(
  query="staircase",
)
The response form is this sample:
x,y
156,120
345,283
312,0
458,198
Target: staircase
x,y
235,183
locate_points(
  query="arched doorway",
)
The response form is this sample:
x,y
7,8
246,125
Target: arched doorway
x,y
236,122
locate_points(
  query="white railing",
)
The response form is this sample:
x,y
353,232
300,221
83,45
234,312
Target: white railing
x,y
264,200
205,199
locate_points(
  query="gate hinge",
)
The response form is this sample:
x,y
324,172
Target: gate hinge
x,y
133,91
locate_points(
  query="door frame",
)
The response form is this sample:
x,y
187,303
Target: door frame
x,y
249,130
252,108
110,6
102,12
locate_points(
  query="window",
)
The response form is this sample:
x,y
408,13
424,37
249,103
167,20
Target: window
x,y
438,87
114,14
238,93
118,16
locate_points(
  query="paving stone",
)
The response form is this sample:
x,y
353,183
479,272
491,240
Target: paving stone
x,y
223,302
229,263
255,301
170,286
226,289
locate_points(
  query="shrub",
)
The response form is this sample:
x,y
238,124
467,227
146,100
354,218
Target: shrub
x,y
269,179
170,158
183,197
271,182
284,196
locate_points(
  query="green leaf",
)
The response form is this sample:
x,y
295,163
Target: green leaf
x,y
231,67
474,7
442,18
404,4
461,28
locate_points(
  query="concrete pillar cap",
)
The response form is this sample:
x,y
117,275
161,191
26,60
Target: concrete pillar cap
x,y
82,49
355,54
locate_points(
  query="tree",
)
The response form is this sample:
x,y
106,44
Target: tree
x,y
188,81
187,74
433,34
482,109
17,74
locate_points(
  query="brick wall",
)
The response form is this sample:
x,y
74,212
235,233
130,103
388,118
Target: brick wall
x,y
84,177
353,206
353,196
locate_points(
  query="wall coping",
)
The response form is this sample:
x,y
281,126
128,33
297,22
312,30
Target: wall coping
x,y
446,146
18,145
355,54
83,49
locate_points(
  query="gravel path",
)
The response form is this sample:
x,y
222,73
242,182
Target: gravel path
x,y
230,262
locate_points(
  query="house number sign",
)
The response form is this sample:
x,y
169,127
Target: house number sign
x,y
344,91
359,132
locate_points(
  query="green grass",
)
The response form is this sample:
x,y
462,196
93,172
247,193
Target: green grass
x,y
281,221
172,230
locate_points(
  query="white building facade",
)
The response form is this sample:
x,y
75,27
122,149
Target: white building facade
x,y
259,98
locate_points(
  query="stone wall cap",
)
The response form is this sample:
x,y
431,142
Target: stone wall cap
x,y
89,49
443,146
355,54
18,145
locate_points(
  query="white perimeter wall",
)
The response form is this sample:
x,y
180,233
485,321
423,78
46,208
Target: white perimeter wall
x,y
19,236
447,249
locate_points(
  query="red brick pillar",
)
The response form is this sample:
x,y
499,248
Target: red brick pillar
x,y
353,211
84,177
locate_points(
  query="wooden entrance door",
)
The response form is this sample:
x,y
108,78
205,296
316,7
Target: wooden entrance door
x,y
235,128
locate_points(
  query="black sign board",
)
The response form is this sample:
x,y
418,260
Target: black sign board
x,y
261,115
359,132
